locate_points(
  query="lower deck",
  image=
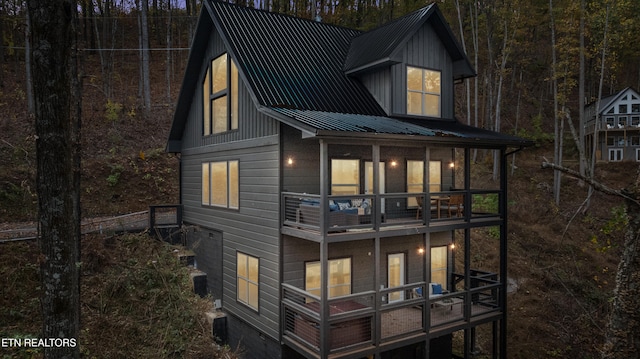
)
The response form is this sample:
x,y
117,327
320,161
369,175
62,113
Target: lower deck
x,y
356,327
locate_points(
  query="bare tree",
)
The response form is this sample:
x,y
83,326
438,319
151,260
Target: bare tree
x,y
143,6
622,339
57,114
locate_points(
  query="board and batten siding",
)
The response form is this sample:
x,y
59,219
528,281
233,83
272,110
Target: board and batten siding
x,y
251,122
426,50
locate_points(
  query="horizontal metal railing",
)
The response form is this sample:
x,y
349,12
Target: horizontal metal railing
x,y
354,321
365,212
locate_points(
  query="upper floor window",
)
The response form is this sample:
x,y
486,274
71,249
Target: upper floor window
x,y
345,177
220,96
622,109
415,176
423,92
220,184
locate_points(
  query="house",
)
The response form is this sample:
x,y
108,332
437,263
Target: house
x,y
614,122
326,187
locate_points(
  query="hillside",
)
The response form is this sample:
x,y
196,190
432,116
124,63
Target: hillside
x,y
563,276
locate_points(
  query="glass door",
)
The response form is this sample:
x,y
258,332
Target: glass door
x,y
396,273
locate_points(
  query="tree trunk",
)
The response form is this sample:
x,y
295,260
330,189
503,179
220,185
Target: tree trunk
x,y
623,331
58,169
144,49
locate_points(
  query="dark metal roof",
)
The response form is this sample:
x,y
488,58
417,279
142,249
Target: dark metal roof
x,y
607,101
292,62
382,45
295,71
329,123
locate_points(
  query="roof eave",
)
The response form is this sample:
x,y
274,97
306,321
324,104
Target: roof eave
x,y
472,142
189,82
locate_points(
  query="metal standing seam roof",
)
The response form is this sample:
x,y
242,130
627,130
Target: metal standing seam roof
x,y
357,125
380,46
295,70
292,62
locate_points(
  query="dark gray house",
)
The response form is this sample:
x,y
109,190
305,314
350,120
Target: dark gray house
x,y
326,188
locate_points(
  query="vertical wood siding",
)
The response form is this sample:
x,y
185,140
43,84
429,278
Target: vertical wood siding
x,y
252,123
425,50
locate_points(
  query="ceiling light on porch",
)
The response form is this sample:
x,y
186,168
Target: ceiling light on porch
x,y
290,161
452,246
420,250
452,165
394,163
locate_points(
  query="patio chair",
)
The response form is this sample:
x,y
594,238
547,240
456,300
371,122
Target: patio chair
x,y
419,200
455,204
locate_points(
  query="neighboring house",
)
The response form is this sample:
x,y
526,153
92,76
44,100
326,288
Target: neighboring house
x,y
326,187
615,126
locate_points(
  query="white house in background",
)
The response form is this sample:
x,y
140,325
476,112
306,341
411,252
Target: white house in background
x,y
616,127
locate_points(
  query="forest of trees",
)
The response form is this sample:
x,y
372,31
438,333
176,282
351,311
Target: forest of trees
x,y
538,64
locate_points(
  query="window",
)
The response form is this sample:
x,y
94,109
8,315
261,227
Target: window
x,y
439,265
220,184
248,274
622,108
345,177
615,154
339,277
635,121
610,121
634,140
622,121
415,175
611,140
220,96
423,92
637,154
635,107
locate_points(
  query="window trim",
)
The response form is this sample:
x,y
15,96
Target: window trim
x,y
616,150
210,125
423,92
354,186
232,168
250,282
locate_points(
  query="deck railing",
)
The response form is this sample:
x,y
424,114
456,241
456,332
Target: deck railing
x,y
355,322
356,213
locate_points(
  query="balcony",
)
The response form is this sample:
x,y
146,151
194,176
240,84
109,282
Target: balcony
x,y
307,216
356,323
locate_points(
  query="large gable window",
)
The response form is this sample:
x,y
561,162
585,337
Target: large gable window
x,y
220,184
220,96
423,92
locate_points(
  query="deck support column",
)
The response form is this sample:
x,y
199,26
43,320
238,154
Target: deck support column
x,y
324,252
503,254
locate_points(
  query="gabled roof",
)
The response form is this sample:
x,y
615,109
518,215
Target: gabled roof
x,y
607,102
292,62
383,45
295,71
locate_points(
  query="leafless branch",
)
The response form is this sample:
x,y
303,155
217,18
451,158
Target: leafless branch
x,y
593,183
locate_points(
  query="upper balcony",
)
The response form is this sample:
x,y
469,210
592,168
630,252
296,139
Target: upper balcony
x,y
357,216
616,122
